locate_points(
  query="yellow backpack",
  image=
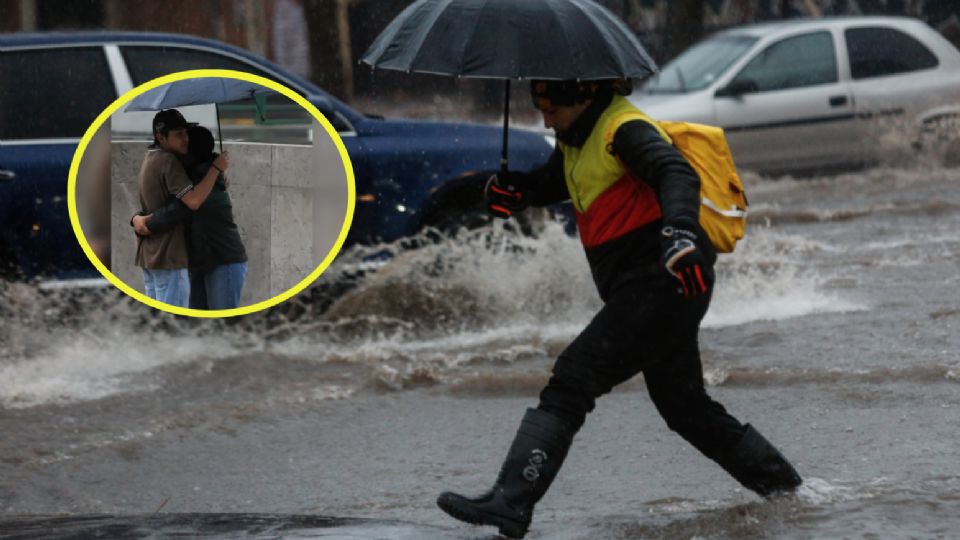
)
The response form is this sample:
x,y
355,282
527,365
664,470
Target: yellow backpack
x,y
723,201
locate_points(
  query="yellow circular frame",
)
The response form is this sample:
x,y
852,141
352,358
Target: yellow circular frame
x,y
192,74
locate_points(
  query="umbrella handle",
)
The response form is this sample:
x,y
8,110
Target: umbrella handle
x,y
506,128
219,131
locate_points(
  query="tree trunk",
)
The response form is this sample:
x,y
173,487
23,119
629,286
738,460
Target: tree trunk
x,y
326,68
746,10
684,25
345,48
255,29
28,15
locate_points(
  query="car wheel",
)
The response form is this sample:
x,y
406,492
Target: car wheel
x,y
940,140
458,205
460,215
951,157
451,220
9,269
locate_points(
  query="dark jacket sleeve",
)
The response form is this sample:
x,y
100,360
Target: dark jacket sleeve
x,y
545,185
169,216
658,163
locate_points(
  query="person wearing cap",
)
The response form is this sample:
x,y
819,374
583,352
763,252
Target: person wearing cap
x,y
636,201
163,256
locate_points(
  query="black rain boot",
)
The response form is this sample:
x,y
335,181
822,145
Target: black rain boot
x,y
759,466
531,464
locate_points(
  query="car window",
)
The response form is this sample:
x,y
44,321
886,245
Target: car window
x,y
53,93
151,61
875,52
700,65
795,62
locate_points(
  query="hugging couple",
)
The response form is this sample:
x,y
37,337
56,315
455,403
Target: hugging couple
x,y
188,244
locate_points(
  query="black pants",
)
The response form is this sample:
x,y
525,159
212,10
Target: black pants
x,y
645,327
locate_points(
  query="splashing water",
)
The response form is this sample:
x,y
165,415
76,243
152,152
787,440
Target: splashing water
x,y
430,315
766,279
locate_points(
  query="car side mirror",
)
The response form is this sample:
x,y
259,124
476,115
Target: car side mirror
x,y
737,88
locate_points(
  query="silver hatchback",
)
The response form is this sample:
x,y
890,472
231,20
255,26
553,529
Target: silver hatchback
x,y
816,95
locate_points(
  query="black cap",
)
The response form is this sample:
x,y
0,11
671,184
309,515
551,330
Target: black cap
x,y
169,119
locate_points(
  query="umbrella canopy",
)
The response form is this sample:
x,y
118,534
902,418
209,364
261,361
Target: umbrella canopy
x,y
511,39
199,91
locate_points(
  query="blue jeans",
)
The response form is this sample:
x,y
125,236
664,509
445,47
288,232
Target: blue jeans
x,y
219,288
168,286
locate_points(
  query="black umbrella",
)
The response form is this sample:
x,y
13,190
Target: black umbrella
x,y
510,39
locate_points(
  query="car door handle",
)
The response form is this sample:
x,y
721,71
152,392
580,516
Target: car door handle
x,y
7,175
838,101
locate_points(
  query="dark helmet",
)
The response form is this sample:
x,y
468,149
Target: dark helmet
x,y
572,92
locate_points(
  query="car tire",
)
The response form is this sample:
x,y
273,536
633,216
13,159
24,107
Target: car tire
x,y
940,140
9,268
461,205
452,220
456,206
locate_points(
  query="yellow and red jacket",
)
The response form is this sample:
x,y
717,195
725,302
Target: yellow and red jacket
x,y
625,180
608,199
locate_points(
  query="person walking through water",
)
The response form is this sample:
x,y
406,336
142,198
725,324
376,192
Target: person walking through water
x,y
637,206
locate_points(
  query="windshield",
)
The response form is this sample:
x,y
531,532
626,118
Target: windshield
x,y
699,65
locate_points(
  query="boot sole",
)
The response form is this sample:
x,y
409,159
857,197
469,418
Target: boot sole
x,y
460,510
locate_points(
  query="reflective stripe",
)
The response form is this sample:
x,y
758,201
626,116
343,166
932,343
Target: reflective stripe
x,y
703,284
733,212
184,191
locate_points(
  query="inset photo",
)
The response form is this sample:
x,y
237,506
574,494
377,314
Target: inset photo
x,y
212,193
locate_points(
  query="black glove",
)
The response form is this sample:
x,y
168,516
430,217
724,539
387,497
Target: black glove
x,y
503,195
684,260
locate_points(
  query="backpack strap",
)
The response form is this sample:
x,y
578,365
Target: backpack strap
x,y
628,116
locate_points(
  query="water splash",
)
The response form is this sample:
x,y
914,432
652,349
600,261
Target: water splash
x,y
91,367
818,491
438,312
766,279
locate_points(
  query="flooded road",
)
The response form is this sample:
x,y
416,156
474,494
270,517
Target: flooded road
x,y
835,329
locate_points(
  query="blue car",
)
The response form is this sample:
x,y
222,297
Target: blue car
x,y
410,174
